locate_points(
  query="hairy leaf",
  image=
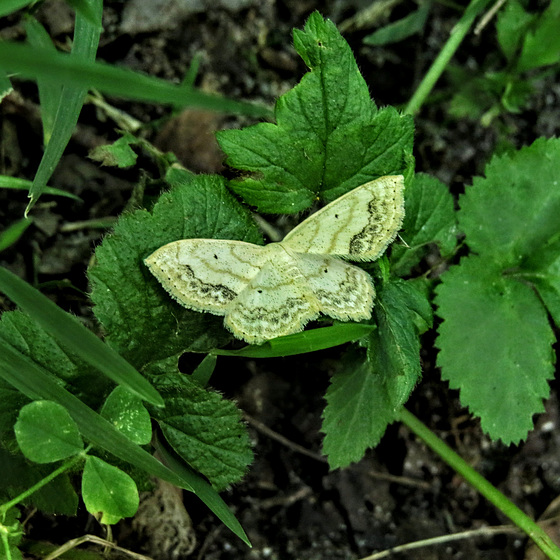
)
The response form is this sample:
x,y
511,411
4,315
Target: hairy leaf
x,y
366,396
329,137
429,218
204,429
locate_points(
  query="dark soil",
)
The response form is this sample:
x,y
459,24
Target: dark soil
x,y
290,505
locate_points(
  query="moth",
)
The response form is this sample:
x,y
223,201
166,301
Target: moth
x,y
273,290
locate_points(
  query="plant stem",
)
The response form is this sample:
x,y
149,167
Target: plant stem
x,y
440,63
491,493
64,467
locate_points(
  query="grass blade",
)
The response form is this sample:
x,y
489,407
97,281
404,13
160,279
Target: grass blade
x,y
121,82
49,92
24,185
72,334
70,100
202,489
12,233
303,342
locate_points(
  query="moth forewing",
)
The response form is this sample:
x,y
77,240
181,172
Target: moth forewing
x,y
206,274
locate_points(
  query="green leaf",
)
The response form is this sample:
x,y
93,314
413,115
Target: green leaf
x,y
75,336
511,27
70,98
204,429
366,396
118,154
34,382
329,137
429,218
495,340
205,369
546,276
130,303
24,185
46,433
12,532
62,68
495,346
352,420
10,6
127,413
401,312
49,91
400,29
201,488
541,47
13,233
18,475
513,212
5,85
302,342
109,491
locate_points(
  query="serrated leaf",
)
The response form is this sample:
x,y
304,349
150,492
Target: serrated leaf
x,y
204,429
355,416
495,346
130,303
429,218
109,491
127,413
329,137
546,277
366,396
512,212
46,433
394,348
118,154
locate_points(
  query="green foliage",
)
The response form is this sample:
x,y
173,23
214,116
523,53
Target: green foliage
x,y
371,388
204,429
118,154
401,29
127,413
495,339
429,218
528,41
46,433
329,136
109,491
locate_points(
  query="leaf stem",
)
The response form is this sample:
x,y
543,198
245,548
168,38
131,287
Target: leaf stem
x,y
490,492
44,481
440,63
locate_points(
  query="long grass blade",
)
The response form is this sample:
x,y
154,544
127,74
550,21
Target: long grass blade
x,y
121,82
70,99
74,336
